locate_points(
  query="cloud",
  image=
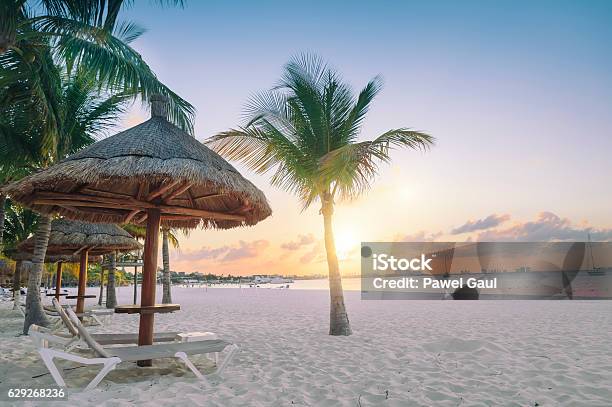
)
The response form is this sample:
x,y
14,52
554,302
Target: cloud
x,y
302,240
245,250
489,222
420,236
547,227
313,255
241,250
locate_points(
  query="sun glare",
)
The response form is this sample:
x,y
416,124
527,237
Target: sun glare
x,y
347,240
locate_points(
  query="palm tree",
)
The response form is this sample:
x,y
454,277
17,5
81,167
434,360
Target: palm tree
x,y
306,129
111,294
167,237
101,286
79,37
84,34
81,112
20,224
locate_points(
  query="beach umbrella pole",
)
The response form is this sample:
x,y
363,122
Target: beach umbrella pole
x,y
58,280
82,282
135,284
149,274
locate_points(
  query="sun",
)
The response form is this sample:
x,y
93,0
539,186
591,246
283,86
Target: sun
x,y
347,242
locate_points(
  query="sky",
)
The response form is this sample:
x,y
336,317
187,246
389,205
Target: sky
x,y
517,95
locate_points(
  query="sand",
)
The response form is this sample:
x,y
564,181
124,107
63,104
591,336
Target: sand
x,y
402,353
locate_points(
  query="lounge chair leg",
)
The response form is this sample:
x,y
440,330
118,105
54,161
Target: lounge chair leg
x,y
227,359
183,356
73,344
109,365
95,318
47,357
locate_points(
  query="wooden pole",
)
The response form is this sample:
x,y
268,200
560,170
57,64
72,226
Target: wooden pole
x,y
82,282
149,274
58,280
135,284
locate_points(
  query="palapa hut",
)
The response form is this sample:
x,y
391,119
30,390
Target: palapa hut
x,y
74,240
153,174
58,259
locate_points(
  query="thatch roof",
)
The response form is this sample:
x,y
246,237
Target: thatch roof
x,y
70,237
152,165
53,258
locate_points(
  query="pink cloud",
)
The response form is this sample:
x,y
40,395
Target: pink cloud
x,y
301,241
228,253
489,222
547,227
420,236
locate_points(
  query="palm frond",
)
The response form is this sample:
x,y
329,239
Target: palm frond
x,y
173,239
351,168
305,131
101,13
351,126
112,62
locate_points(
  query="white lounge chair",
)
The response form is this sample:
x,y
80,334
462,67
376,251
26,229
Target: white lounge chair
x,y
72,339
94,314
109,357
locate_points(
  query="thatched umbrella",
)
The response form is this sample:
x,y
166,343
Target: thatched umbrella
x,y
74,240
52,259
153,174
58,259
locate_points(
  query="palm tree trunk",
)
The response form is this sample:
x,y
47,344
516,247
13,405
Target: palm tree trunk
x,y
101,286
338,318
35,313
111,295
167,296
2,216
17,284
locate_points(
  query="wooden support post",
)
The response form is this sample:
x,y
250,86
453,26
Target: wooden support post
x,y
149,277
58,280
82,281
135,284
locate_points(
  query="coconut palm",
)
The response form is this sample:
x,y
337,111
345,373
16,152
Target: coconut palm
x,y
81,112
167,237
20,224
111,294
306,130
85,34
101,286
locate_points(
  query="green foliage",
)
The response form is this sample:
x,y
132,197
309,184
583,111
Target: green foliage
x,y
306,131
81,113
77,35
19,224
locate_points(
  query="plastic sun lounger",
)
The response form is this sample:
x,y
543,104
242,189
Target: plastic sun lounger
x,y
43,337
73,339
93,313
110,357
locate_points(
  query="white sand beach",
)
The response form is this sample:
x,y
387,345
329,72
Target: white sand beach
x,y
402,353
